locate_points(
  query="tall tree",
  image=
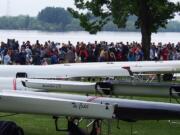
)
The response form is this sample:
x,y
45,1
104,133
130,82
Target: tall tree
x,y
151,15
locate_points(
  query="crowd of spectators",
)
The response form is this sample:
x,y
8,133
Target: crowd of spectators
x,y
50,52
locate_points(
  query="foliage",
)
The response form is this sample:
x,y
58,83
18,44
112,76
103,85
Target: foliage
x,y
118,11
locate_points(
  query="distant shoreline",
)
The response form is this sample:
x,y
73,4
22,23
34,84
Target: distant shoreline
x,y
33,23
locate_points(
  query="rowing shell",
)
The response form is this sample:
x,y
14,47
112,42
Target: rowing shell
x,y
60,85
59,71
89,69
86,106
17,102
123,88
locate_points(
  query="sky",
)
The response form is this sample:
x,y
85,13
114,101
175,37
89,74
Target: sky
x,y
32,7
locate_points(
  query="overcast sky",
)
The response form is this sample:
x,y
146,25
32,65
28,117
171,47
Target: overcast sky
x,y
32,7
29,7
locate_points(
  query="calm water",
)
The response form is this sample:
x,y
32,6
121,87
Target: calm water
x,y
84,36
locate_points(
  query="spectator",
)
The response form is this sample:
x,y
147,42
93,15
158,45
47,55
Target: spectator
x,y
53,53
83,53
70,55
44,61
36,59
112,56
7,59
54,59
131,56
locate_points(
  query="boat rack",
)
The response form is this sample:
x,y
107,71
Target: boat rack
x,y
174,94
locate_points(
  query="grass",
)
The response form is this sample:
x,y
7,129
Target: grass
x,y
44,125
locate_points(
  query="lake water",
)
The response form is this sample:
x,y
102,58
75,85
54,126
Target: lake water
x,y
64,37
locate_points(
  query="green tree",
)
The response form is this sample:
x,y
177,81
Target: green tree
x,y
55,16
151,15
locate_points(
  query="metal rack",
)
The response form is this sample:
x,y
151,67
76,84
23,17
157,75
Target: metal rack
x,y
174,94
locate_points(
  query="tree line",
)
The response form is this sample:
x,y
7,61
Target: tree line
x,y
59,19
